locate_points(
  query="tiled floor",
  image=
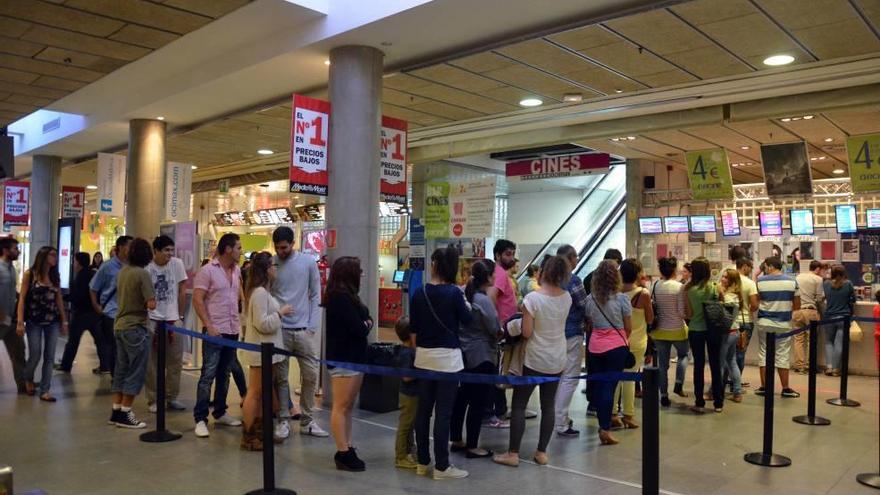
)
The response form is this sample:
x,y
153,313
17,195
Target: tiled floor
x,y
67,448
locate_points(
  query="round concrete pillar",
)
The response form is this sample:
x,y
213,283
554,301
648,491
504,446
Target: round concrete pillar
x,y
145,178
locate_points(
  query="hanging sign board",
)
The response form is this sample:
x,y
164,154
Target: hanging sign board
x,y
437,209
392,155
863,153
15,203
459,209
223,186
178,188
73,200
310,128
111,184
709,174
559,166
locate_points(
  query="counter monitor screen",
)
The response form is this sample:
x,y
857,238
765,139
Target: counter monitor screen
x,y
845,216
873,216
675,225
801,222
771,222
398,276
703,223
650,225
730,223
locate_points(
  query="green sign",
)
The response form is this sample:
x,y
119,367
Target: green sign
x,y
863,153
709,174
223,185
436,210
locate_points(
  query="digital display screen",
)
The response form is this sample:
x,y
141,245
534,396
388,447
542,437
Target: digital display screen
x,y
65,248
703,223
311,213
770,222
801,222
873,216
650,225
398,276
675,225
845,216
730,223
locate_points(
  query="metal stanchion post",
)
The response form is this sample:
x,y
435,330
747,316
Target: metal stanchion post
x,y
650,431
266,350
844,371
160,434
811,418
766,457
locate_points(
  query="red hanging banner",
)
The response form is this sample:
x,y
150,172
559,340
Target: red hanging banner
x,y
16,207
309,136
73,200
392,152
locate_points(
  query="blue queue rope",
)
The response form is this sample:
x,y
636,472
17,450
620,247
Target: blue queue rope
x,y
418,373
820,323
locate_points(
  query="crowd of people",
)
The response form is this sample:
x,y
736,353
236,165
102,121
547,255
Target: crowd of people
x,y
549,325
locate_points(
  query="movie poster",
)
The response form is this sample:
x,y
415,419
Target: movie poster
x,y
787,169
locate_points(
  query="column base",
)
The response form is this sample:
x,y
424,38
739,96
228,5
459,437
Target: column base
x,y
843,402
277,491
159,436
811,420
767,460
869,479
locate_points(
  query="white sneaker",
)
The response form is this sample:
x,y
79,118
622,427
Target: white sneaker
x,y
282,429
227,420
313,429
422,469
152,408
202,429
451,473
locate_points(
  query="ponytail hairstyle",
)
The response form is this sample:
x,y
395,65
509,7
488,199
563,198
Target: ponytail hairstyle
x,y
481,272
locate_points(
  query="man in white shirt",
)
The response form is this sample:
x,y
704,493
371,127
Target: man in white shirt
x,y
169,277
812,299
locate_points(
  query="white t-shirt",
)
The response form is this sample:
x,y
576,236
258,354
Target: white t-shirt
x,y
749,289
166,279
546,348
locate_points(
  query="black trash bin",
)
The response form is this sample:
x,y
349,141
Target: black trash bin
x,y
379,392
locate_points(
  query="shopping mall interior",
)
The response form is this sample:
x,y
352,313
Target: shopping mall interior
x,y
384,130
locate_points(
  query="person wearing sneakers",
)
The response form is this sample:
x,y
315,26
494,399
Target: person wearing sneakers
x,y
574,343
731,293
135,298
779,296
502,293
216,291
169,276
299,285
102,291
408,398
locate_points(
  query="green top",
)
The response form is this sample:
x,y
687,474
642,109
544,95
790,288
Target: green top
x,y
133,289
696,297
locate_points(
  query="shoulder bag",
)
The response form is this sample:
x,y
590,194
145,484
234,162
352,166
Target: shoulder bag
x,y
719,316
630,357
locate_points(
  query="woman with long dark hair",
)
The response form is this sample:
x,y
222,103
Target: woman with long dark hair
x,y
698,291
97,260
437,313
40,310
840,300
263,316
348,325
479,344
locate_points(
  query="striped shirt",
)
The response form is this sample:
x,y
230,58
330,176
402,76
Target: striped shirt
x,y
670,310
777,293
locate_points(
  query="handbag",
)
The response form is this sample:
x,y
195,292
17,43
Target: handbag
x,y
630,357
513,357
855,332
719,316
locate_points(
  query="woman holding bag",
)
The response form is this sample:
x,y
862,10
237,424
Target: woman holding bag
x,y
698,291
642,316
840,300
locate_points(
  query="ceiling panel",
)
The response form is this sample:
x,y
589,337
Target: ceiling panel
x,y
547,56
871,8
585,37
533,80
762,131
49,14
604,80
482,62
679,139
840,39
856,122
459,98
627,58
456,77
144,13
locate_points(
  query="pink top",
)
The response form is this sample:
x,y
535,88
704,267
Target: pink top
x,y
221,295
506,302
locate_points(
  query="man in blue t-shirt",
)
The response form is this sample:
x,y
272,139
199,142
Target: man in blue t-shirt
x,y
102,290
779,297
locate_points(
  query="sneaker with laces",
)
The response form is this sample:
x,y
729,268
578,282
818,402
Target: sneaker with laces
x,y
127,419
790,393
313,429
406,463
568,432
282,429
114,416
759,391
202,429
450,473
422,469
227,420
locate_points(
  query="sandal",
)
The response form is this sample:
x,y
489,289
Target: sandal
x,y
541,458
629,423
47,398
606,439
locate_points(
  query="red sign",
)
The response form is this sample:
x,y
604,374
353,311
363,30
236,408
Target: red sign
x,y
73,200
457,230
392,153
309,136
390,306
15,203
553,167
330,239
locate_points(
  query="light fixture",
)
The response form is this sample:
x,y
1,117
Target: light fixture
x,y
822,157
193,167
776,60
734,165
745,147
838,171
813,158
298,206
786,119
630,138
530,102
618,91
326,62
91,187
265,151
160,118
828,140
808,117
572,97
615,139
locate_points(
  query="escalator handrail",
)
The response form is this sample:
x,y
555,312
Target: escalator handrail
x,y
604,231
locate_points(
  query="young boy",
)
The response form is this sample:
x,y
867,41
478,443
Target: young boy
x,y
134,294
409,399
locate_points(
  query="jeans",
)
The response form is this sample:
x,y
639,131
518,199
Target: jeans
x,y
700,343
106,345
216,360
299,342
521,396
748,328
438,397
728,361
15,348
173,365
573,360
132,355
79,324
41,339
833,344
664,350
603,391
405,444
472,399
237,374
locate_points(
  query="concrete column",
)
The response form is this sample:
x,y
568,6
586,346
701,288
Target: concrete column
x,y
45,202
634,189
145,178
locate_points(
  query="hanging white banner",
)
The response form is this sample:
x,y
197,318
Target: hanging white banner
x,y
178,187
111,184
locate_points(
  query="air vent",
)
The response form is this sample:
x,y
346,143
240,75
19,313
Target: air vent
x,y
52,125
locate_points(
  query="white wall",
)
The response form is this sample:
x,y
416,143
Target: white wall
x,y
533,217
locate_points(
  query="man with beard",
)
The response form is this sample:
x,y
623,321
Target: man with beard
x,y
14,343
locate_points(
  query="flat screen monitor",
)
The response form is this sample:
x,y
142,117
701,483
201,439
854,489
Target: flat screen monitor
x,y
703,223
675,225
729,223
398,276
873,216
650,225
770,222
801,221
845,216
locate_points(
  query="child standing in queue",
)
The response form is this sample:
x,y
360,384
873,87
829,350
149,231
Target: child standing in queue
x,y
405,448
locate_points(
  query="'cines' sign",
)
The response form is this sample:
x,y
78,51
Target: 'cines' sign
x,y
558,166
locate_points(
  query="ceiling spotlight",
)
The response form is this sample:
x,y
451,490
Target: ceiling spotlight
x,y
194,167
808,117
822,157
615,139
160,118
776,60
837,171
745,147
530,102
91,187
813,158
795,118
734,165
786,119
264,151
298,205
631,138
828,140
572,97
326,62
618,91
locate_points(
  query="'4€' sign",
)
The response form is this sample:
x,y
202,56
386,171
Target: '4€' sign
x,y
709,174
864,162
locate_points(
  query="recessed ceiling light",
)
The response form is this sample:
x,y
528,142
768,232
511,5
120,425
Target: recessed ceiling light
x,y
618,91
160,118
298,206
615,139
572,97
265,151
734,165
745,147
813,158
194,167
828,140
91,187
786,119
808,117
838,171
776,60
795,118
631,138
326,62
822,157
530,102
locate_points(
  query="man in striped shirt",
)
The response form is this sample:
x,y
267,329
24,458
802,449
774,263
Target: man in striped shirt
x,y
779,297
